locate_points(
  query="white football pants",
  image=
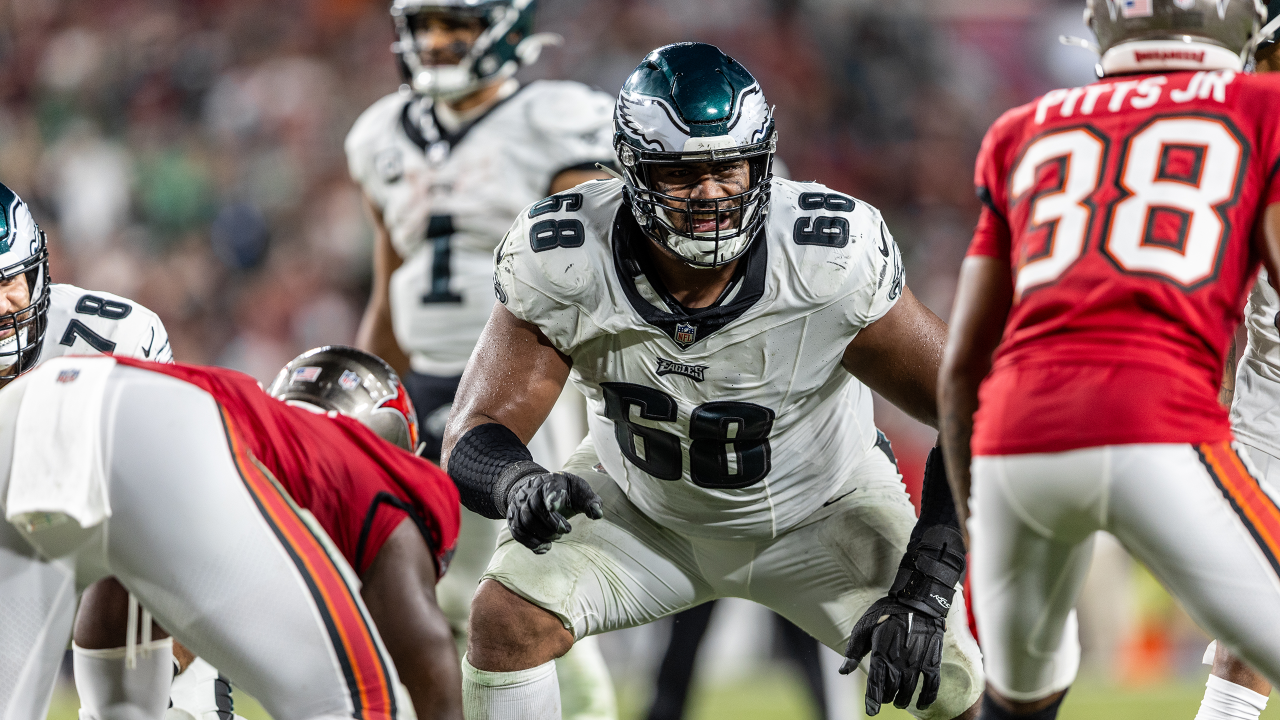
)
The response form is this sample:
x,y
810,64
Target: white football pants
x,y
210,545
1196,516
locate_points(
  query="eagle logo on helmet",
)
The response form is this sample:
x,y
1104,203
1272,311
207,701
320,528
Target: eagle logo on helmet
x,y
752,104
9,199
652,121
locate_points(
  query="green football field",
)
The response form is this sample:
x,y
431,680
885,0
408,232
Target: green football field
x,y
778,696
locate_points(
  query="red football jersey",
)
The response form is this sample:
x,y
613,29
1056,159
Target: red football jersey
x,y
358,486
1126,210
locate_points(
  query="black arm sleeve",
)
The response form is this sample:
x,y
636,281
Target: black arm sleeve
x,y
934,562
485,463
936,504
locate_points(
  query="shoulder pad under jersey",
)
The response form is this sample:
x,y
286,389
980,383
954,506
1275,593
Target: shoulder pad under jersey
x,y
835,249
370,132
553,266
566,107
84,322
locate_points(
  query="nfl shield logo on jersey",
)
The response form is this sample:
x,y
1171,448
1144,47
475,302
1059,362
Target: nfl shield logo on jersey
x,y
685,333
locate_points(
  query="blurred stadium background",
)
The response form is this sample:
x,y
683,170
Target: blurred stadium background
x,y
188,154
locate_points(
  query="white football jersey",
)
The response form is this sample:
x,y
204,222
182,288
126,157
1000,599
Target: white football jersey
x,y
732,421
1255,410
447,200
87,322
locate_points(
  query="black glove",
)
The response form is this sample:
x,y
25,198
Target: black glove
x,y
904,645
539,503
903,631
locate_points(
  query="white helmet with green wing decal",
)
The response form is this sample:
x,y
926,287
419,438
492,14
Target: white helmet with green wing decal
x,y
690,103
23,251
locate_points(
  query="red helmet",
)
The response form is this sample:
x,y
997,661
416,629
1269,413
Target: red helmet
x,y
355,383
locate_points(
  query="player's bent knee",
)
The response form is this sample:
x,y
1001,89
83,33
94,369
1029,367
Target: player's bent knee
x,y
509,633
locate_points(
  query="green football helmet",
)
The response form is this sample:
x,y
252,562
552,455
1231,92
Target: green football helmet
x,y
506,42
1137,36
690,103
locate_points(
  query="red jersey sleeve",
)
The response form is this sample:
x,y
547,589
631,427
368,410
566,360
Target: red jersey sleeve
x,y
991,238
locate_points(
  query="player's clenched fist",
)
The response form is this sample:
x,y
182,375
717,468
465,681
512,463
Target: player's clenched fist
x,y
539,504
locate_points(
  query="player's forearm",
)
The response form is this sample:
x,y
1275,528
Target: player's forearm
x,y
983,298
399,591
1227,390
376,334
957,401
1269,244
432,677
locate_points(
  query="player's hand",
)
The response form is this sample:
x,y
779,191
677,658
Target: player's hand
x,y
540,503
905,645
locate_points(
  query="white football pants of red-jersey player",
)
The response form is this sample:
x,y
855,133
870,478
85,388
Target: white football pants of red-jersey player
x,y
1196,516
111,470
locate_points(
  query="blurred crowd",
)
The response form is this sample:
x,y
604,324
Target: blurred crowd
x,y
188,153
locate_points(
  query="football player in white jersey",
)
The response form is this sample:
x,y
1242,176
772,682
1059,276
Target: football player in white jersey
x,y
721,323
40,320
445,165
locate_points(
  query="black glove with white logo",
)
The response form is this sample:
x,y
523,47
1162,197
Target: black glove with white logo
x,y
903,631
539,503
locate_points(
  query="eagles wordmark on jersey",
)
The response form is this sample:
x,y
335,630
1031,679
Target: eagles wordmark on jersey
x,y
730,421
447,198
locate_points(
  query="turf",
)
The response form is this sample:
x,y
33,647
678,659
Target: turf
x,y
778,696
